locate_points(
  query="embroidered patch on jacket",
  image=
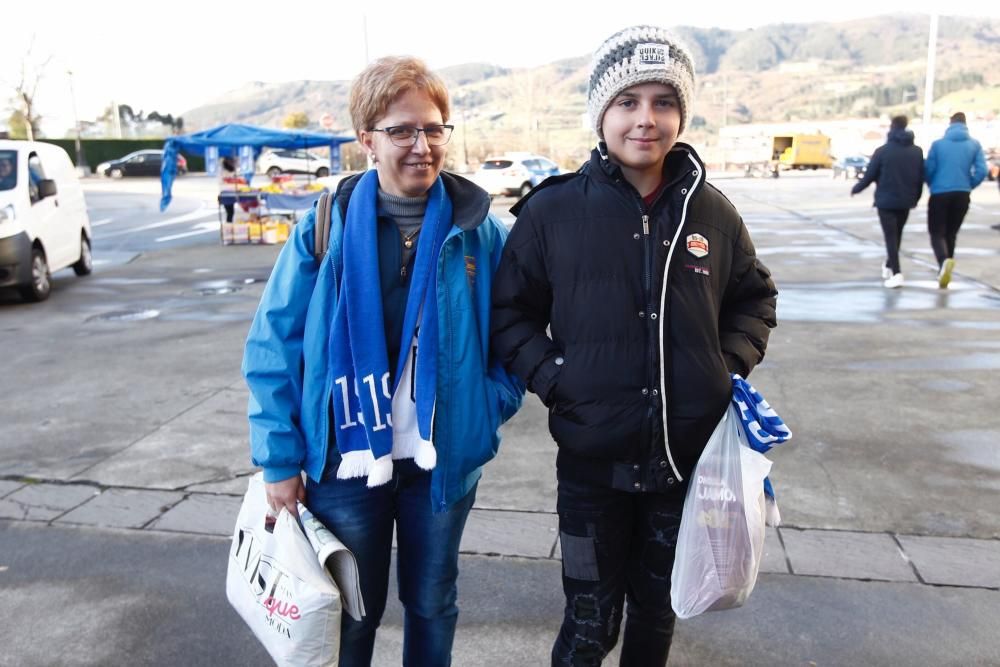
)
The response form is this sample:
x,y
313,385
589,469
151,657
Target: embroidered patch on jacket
x,y
470,269
697,245
703,270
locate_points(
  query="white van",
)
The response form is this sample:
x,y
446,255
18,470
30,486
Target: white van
x,y
43,217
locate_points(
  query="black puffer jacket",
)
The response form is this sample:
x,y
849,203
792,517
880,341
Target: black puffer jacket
x,y
587,259
897,167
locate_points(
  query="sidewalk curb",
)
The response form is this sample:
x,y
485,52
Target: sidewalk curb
x,y
925,560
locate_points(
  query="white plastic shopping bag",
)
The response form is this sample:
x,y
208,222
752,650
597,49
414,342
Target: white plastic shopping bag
x,y
276,583
721,539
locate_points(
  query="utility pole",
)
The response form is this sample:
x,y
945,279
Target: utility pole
x,y
364,30
116,120
465,131
725,100
81,162
929,82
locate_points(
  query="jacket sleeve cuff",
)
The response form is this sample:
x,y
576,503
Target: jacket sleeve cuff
x,y
272,475
735,364
546,377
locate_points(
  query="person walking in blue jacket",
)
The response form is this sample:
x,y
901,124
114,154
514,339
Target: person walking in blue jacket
x,y
897,168
955,166
369,369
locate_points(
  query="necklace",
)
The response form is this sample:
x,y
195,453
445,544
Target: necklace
x,y
408,238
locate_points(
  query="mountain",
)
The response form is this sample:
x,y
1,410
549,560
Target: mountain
x,y
782,72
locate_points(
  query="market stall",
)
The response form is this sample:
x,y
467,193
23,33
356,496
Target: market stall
x,y
264,212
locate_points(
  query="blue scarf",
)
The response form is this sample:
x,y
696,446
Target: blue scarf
x,y
763,428
362,395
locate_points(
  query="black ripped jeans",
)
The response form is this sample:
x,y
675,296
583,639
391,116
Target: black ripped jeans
x,y
616,546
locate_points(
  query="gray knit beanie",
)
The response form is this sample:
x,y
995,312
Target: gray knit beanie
x,y
640,54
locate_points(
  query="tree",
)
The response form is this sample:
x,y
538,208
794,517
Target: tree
x,y
296,120
17,125
176,124
25,91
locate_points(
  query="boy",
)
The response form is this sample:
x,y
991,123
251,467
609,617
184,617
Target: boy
x,y
897,169
648,282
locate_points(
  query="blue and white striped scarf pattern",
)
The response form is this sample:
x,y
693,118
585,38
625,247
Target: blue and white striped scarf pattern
x,y
762,426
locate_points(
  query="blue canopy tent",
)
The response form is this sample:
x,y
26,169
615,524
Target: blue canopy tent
x,y
228,139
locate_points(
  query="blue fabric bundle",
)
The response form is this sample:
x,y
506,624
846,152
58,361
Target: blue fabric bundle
x,y
362,397
762,426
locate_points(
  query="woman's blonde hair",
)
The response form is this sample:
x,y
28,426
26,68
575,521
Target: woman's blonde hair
x,y
383,81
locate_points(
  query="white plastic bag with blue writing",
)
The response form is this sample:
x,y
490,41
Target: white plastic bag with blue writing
x,y
277,585
721,539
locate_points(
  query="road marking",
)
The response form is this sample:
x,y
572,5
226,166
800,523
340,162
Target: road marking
x,y
102,222
201,228
202,213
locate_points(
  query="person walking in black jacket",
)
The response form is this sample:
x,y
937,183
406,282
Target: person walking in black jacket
x,y
625,296
897,169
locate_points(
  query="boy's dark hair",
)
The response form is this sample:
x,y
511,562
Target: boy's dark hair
x,y
228,164
899,122
957,117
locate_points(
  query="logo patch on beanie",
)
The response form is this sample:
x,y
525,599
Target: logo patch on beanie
x,y
651,55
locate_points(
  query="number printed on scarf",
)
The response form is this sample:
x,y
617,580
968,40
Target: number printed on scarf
x,y
381,420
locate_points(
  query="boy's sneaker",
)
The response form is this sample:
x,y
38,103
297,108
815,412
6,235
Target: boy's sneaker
x,y
944,275
886,272
894,281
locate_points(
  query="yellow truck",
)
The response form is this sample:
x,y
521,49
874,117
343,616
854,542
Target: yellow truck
x,y
794,151
801,151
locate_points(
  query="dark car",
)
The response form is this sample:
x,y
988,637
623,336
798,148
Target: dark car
x,y
852,166
139,163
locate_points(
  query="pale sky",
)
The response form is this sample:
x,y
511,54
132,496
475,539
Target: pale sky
x,y
176,55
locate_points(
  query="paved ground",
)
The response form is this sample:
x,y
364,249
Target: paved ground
x,y
124,454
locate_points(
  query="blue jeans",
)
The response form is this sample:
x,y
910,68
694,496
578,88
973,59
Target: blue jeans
x,y
426,559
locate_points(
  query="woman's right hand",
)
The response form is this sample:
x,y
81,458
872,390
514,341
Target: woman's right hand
x,y
286,493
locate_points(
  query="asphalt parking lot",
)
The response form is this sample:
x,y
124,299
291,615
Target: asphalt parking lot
x,y
123,450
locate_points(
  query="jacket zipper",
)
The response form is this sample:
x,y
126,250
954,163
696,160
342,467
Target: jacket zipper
x,y
441,269
648,288
648,296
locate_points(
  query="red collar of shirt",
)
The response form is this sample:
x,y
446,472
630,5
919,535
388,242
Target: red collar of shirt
x,y
651,197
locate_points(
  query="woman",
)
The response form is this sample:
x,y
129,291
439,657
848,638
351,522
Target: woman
x,y
386,431
228,179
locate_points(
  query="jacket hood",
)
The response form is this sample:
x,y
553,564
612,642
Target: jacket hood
x,y
957,132
470,203
903,137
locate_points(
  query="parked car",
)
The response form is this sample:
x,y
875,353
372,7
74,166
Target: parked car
x,y
993,166
293,161
514,173
140,163
43,217
852,166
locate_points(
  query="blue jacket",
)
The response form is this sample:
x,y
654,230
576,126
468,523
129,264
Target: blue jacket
x,y
286,361
955,162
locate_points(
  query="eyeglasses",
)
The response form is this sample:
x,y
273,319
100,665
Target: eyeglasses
x,y
405,136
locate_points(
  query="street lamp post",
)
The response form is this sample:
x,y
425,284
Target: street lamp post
x,y
929,81
81,161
